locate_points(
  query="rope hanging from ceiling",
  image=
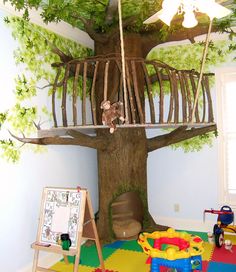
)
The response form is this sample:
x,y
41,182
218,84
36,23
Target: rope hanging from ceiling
x,y
203,61
123,59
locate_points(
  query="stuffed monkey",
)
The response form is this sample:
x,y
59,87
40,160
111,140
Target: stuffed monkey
x,y
110,113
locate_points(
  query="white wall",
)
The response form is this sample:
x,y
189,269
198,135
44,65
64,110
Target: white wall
x,y
189,180
22,183
186,180
21,189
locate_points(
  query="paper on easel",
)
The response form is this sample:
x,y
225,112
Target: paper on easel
x,y
60,219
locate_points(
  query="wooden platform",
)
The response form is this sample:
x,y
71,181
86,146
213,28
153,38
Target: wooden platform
x,y
91,129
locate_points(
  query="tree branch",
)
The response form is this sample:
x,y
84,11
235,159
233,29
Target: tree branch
x,y
96,142
88,26
100,3
74,138
111,10
176,136
63,57
189,34
115,31
150,39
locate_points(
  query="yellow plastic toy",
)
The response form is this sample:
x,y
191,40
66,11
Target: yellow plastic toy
x,y
185,250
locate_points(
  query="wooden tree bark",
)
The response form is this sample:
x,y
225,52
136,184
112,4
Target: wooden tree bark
x,y
121,167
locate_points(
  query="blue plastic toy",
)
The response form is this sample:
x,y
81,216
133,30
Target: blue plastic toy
x,y
181,251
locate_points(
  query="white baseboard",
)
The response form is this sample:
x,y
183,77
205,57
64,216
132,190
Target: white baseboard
x,y
46,260
185,224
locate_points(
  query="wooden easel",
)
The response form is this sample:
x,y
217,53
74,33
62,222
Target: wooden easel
x,y
86,230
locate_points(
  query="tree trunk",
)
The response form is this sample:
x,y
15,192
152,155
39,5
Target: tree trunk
x,y
122,167
133,45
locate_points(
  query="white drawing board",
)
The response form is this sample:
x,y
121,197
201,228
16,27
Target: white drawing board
x,y
62,212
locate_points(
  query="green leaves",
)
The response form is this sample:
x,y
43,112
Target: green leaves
x,y
21,118
3,117
95,10
34,55
25,89
196,143
10,151
189,56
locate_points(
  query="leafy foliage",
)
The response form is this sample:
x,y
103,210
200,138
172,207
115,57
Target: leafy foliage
x,y
76,11
34,54
35,48
95,10
188,56
196,143
22,118
10,150
3,117
25,89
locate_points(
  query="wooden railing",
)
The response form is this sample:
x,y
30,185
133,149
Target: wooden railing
x,y
169,93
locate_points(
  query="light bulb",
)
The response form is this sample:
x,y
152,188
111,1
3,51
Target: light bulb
x,y
189,19
170,8
212,9
167,15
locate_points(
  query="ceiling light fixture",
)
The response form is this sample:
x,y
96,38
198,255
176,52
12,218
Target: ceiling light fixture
x,y
188,8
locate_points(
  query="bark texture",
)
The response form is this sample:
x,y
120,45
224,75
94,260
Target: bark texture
x,y
121,167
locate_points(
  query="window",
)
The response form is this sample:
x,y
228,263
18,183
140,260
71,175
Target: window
x,y
226,121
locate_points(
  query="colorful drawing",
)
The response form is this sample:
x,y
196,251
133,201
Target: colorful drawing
x,y
61,215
